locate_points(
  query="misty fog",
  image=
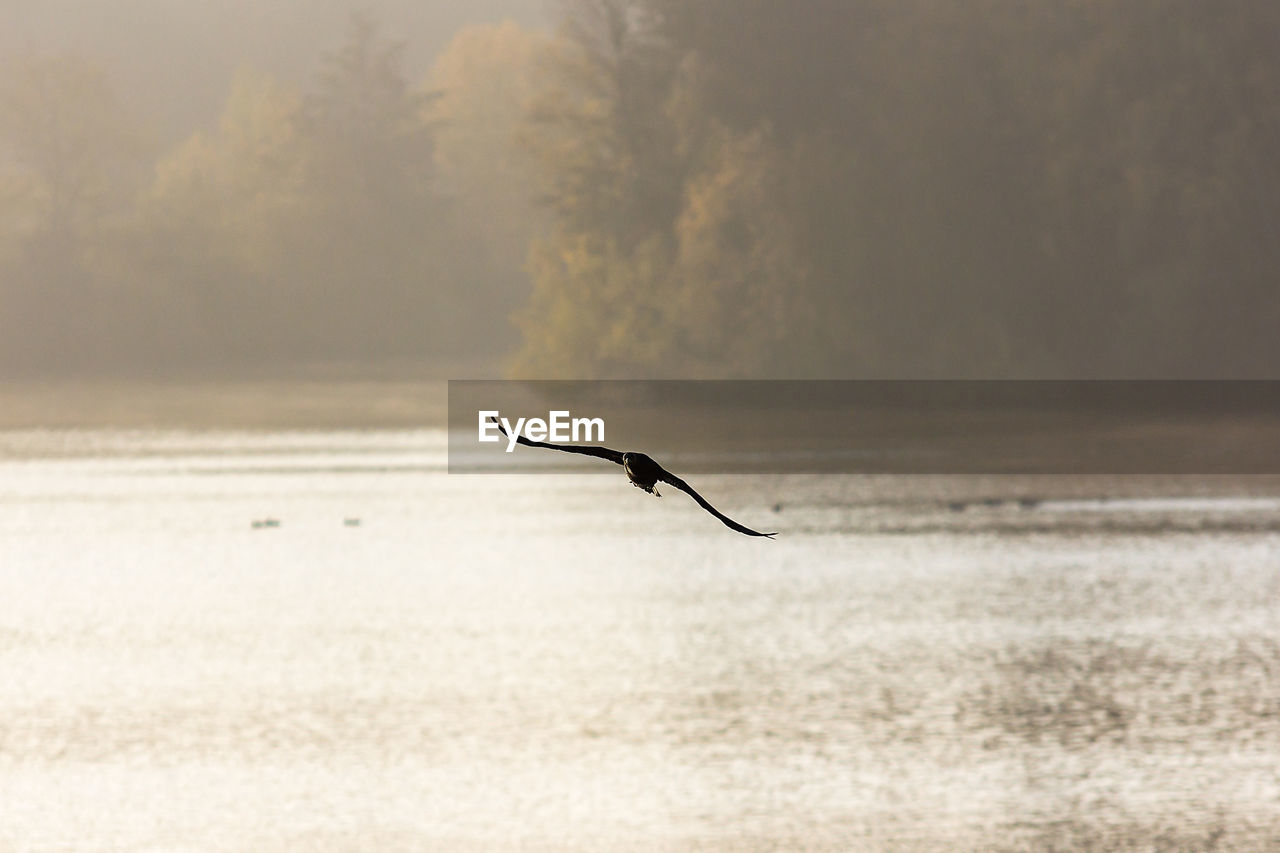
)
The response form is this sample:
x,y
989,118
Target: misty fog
x,y
641,188
262,587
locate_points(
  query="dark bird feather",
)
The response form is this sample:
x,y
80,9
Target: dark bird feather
x,y
642,471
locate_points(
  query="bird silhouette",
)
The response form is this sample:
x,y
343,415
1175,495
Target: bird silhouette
x,y
642,471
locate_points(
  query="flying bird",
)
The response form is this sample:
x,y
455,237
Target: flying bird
x,y
643,472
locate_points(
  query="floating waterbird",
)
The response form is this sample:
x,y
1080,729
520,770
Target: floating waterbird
x,y
643,472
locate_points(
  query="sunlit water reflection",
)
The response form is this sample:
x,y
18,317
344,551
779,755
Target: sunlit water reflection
x,y
561,662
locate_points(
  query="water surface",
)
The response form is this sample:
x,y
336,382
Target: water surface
x,y
413,660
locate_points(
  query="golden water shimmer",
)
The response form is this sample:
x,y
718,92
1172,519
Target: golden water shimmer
x,y
515,662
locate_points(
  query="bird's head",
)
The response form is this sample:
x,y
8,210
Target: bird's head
x,y
638,461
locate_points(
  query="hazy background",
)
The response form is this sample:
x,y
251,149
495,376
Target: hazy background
x,y
613,188
300,217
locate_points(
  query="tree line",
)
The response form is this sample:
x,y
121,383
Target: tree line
x,y
829,188
361,219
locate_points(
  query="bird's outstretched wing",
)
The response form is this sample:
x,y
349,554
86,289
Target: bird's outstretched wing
x,y
614,456
672,479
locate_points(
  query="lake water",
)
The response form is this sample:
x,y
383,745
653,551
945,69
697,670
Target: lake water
x,y
413,660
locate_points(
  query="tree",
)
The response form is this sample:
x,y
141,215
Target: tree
x,y
599,127
380,275
599,311
610,173
69,162
75,152
218,234
482,84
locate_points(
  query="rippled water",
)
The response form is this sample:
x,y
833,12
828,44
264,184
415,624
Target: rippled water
x,y
561,662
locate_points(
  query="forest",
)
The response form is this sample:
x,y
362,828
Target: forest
x,y
674,188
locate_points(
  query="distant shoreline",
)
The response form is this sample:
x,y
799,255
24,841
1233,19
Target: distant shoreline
x,y
278,403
